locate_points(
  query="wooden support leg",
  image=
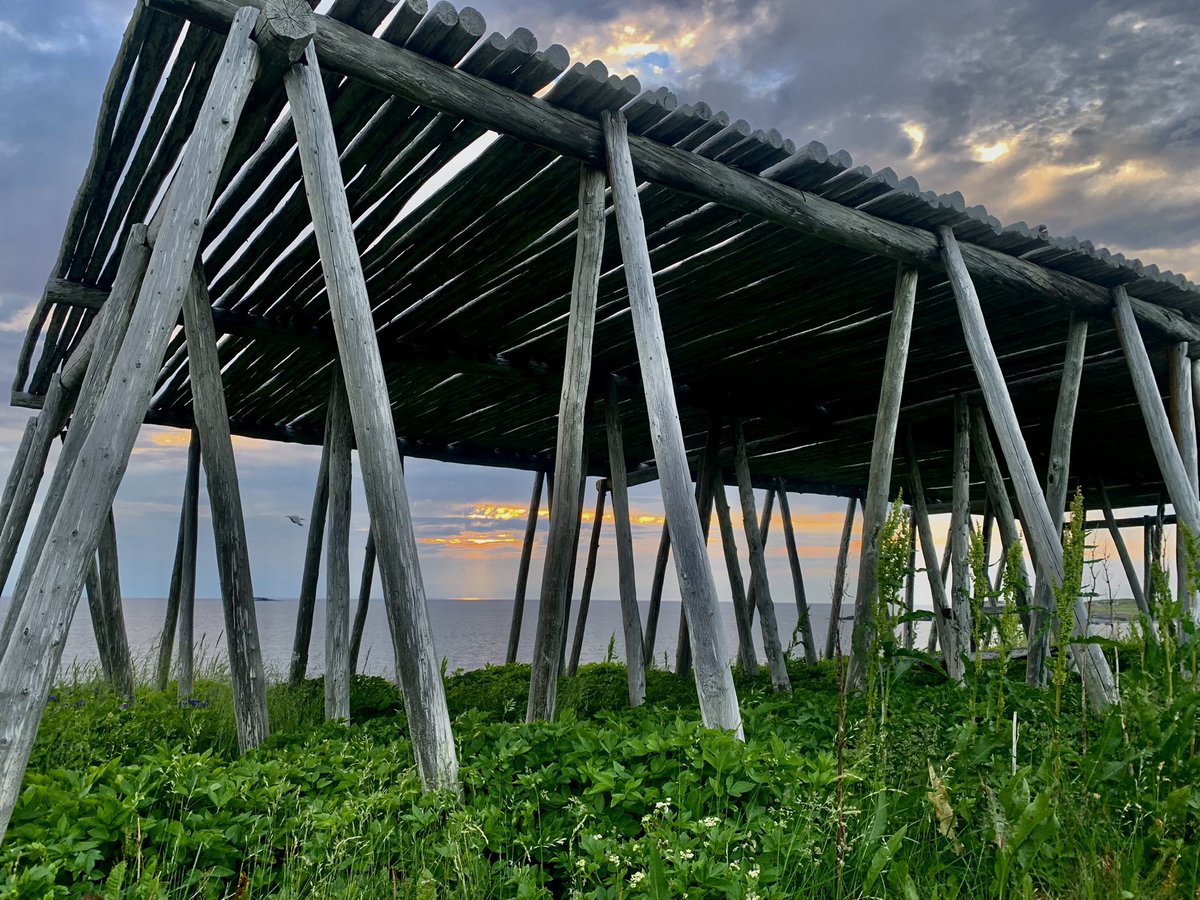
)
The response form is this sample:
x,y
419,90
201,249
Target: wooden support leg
x,y
714,680
772,646
631,617
417,664
518,612
32,658
708,481
229,525
589,577
1039,525
166,638
803,620
18,468
575,536
311,573
114,643
337,568
364,602
656,592
943,624
910,581
1183,426
189,522
1139,595
568,469
961,579
879,477
833,635
764,531
741,609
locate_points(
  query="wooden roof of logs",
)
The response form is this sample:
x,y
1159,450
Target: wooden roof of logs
x,y
775,298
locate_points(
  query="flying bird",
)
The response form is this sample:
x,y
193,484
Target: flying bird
x,y
296,520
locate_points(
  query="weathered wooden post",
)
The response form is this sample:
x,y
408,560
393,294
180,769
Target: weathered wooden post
x,y
417,666
518,612
589,578
310,574
32,658
568,459
229,525
113,642
833,635
1183,426
772,647
337,567
16,472
364,601
879,477
803,621
631,617
764,531
181,602
1043,534
737,587
656,592
1135,587
910,580
714,680
961,579
708,481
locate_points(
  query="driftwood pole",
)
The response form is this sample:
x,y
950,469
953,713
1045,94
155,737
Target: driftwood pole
x,y
337,567
417,666
910,580
833,635
589,577
737,587
1139,594
656,592
764,531
803,621
708,481
114,643
1183,426
714,680
631,617
364,601
518,612
879,477
32,658
311,573
1040,528
772,646
16,473
568,459
229,524
961,579
181,603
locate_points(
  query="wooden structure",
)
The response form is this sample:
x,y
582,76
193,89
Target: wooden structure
x,y
264,176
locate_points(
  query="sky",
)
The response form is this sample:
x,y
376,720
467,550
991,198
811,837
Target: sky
x,y
1082,116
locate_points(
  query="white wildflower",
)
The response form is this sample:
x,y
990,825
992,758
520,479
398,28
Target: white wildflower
x,y
581,863
710,821
686,854
636,878
614,859
753,873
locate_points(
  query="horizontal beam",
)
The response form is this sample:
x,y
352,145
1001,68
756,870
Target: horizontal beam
x,y
430,84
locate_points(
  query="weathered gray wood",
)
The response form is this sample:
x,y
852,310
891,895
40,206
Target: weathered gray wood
x,y
518,612
29,664
910,580
17,470
417,665
111,639
764,531
337,549
1039,526
576,533
803,620
707,479
833,635
961,577
310,574
181,600
589,578
714,680
772,646
1131,575
568,467
943,624
285,29
364,601
423,81
229,525
879,476
631,617
737,588
656,591
1183,426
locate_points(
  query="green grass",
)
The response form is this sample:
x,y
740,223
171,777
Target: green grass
x,y
918,800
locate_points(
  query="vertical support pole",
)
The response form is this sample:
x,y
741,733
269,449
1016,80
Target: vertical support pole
x,y
56,579
568,461
589,577
17,471
772,647
1183,425
961,579
166,638
229,525
1148,558
737,588
189,522
1139,595
764,531
804,621
114,643
417,666
708,481
910,580
518,611
576,533
879,478
364,602
311,573
1043,534
337,567
714,680
833,635
943,624
656,592
631,617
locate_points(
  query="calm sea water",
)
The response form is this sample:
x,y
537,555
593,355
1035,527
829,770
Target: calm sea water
x,y
469,634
